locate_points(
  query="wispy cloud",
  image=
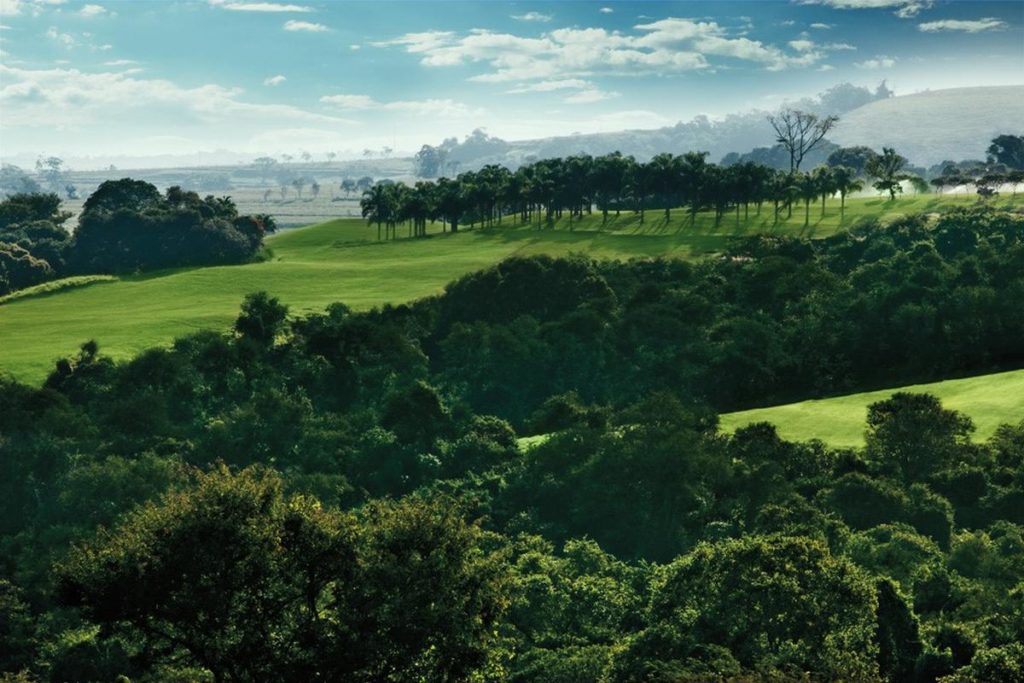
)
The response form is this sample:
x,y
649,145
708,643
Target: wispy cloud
x,y
965,25
274,80
879,62
821,26
92,11
591,95
65,39
533,16
902,8
240,6
70,97
306,26
606,10
444,108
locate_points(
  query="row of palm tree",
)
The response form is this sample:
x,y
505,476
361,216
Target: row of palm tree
x,y
573,186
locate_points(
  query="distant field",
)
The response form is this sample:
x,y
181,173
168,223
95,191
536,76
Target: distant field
x,y
990,400
340,260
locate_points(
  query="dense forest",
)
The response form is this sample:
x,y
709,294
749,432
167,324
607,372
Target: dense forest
x,y
125,226
346,495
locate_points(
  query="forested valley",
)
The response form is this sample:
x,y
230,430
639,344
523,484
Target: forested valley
x,y
523,479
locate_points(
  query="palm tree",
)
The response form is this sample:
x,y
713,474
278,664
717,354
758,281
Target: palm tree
x,y
449,201
640,183
846,182
807,188
376,205
665,177
887,171
692,169
826,184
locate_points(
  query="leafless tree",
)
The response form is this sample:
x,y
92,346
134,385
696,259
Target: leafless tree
x,y
800,132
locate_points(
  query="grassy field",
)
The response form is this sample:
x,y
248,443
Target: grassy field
x,y
990,400
341,260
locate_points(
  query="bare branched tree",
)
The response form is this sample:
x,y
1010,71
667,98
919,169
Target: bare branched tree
x,y
800,132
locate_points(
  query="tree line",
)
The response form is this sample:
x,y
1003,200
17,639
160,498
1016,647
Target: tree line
x,y
573,186
342,495
125,226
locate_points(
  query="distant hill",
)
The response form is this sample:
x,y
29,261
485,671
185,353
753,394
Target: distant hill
x,y
931,127
734,133
926,128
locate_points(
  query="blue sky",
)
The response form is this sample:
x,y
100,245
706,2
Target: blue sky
x,y
145,77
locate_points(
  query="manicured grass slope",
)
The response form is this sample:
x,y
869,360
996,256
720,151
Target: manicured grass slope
x,y
341,261
990,400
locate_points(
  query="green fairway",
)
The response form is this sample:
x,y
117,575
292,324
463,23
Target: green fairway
x,y
990,400
341,261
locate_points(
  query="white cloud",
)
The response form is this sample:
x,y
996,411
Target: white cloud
x,y
259,6
821,26
965,25
307,26
274,80
92,10
903,8
802,45
120,62
349,101
35,7
606,10
666,46
879,62
354,47
69,97
444,108
825,67
65,39
533,16
550,86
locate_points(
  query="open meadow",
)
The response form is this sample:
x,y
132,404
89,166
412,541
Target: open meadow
x,y
989,400
341,260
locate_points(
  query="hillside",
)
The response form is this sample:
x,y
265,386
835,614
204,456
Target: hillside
x,y
341,261
931,127
990,400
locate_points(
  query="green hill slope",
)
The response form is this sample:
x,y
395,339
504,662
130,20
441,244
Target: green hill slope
x,y
990,400
341,261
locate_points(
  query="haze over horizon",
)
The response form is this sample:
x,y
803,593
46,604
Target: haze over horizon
x,y
100,81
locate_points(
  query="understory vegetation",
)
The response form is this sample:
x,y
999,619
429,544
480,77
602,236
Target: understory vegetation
x,y
344,496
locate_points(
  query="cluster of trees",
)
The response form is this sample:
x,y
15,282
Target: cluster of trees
x,y
342,495
125,225
575,185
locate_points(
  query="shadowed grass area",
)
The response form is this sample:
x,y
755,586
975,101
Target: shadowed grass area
x,y
990,400
341,260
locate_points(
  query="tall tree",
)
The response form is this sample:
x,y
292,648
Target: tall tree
x,y
800,132
1009,150
887,172
846,182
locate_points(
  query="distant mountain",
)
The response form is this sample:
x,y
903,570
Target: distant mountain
x,y
938,125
